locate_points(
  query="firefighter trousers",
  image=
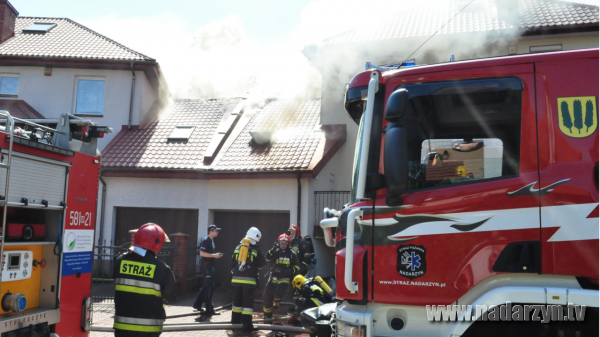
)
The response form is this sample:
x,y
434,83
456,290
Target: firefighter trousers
x,y
243,305
126,333
272,297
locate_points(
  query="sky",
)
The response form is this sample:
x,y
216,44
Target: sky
x,y
208,48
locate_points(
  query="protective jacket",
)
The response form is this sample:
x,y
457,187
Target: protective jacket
x,y
248,275
140,284
285,265
304,249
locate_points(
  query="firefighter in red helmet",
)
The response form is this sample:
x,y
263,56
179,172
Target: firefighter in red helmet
x,y
284,267
302,247
141,281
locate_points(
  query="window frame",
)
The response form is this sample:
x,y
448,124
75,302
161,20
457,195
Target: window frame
x,y
76,90
18,84
484,80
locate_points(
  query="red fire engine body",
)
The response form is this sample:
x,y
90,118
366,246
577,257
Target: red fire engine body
x,y
483,180
51,197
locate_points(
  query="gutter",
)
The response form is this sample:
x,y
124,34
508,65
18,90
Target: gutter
x,y
131,99
299,198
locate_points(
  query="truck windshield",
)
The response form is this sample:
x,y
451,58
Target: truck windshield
x,y
357,155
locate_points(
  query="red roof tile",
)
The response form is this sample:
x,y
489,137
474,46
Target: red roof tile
x,y
295,126
149,148
20,109
481,15
68,39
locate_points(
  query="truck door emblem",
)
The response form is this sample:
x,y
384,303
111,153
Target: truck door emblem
x,y
529,190
411,262
577,116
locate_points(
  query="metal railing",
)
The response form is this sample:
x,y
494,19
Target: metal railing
x,y
331,199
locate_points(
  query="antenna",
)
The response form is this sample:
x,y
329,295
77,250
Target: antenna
x,y
444,25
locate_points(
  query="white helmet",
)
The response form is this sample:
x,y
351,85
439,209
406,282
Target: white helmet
x,y
254,234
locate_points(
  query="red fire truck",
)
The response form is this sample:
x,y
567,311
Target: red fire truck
x,y
475,183
48,193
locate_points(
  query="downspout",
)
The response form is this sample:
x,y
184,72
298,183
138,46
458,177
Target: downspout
x,y
299,199
131,99
102,206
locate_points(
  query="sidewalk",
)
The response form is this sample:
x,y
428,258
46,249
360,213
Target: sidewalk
x,y
103,315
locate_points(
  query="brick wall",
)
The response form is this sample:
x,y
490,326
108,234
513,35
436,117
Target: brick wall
x,y
8,15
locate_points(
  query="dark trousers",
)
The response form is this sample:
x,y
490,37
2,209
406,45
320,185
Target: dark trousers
x,y
272,297
126,333
243,305
206,292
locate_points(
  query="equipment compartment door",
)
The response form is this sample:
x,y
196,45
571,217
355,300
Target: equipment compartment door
x,y
468,214
568,138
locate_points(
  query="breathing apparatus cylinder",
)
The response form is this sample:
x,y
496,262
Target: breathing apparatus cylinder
x,y
324,286
243,255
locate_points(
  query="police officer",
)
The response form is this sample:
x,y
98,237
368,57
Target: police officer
x,y
302,247
141,281
207,263
308,294
285,266
244,281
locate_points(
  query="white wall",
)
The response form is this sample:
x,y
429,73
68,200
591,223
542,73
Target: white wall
x,y
54,95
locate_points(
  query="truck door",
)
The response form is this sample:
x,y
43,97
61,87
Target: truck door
x,y
465,216
567,86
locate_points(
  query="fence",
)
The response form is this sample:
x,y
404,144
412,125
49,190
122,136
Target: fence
x,y
331,199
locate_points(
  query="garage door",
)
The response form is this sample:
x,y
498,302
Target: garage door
x,y
234,226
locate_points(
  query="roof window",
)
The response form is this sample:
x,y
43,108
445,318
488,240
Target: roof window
x,y
39,27
181,132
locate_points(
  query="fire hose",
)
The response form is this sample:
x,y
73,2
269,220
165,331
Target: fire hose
x,y
264,320
225,326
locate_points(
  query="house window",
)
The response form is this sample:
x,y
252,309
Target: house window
x,y
181,132
90,96
39,27
9,85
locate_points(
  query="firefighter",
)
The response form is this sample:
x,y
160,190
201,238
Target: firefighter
x,y
302,247
284,267
207,263
141,281
308,294
244,279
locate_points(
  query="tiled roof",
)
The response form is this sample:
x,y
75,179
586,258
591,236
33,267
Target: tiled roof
x,y
68,39
20,109
149,148
479,16
297,135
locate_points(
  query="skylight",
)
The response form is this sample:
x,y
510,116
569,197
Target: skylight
x,y
39,27
181,132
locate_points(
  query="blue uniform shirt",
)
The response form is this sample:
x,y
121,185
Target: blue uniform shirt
x,y
208,246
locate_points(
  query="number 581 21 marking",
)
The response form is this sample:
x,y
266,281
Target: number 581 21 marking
x,y
80,218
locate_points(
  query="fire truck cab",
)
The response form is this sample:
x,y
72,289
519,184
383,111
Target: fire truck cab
x,y
48,196
475,183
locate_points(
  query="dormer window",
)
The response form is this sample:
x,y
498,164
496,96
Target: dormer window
x,y
181,132
39,27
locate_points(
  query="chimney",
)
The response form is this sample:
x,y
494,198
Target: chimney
x,y
8,16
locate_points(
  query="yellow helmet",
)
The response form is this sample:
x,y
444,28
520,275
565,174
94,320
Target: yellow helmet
x,y
298,281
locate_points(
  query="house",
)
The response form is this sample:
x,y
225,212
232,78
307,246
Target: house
x,y
482,28
228,161
53,66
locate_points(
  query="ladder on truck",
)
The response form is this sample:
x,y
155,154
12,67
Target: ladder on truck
x,y
10,130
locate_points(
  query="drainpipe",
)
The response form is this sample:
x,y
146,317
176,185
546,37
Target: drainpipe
x,y
131,99
299,199
102,205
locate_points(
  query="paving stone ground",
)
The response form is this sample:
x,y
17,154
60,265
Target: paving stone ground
x,y
103,315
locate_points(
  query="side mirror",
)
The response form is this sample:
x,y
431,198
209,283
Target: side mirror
x,y
395,163
396,105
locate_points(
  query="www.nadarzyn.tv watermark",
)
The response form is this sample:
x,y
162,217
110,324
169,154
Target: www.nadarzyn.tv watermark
x,y
543,313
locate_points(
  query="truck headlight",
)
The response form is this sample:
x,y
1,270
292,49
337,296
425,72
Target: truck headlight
x,y
345,329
